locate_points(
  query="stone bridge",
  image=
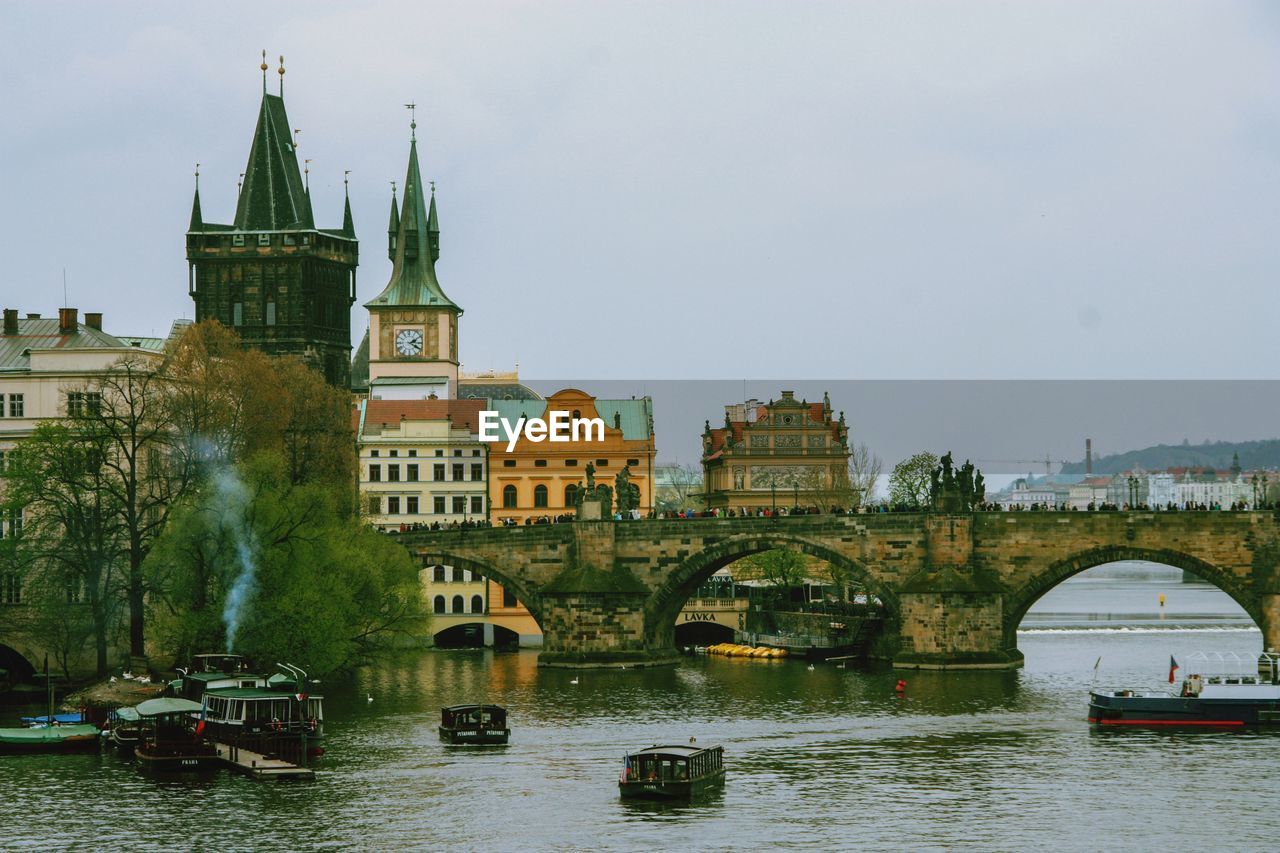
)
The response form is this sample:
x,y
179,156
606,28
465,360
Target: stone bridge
x,y
954,587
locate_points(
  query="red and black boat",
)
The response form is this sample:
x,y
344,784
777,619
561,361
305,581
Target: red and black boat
x,y
1220,692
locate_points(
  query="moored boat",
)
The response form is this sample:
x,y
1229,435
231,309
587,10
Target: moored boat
x,y
671,772
474,724
124,729
172,738
1221,691
69,738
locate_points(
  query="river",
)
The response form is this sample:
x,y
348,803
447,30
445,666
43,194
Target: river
x,y
829,758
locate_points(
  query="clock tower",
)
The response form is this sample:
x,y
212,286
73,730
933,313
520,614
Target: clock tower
x,y
413,326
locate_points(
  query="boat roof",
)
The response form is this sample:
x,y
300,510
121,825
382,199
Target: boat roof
x,y
127,714
167,705
218,676
50,734
683,751
256,693
473,708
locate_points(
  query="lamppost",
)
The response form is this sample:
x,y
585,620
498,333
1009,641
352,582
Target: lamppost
x,y
795,497
1253,481
773,490
1263,493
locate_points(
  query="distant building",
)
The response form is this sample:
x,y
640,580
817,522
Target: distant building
x,y
1024,494
778,454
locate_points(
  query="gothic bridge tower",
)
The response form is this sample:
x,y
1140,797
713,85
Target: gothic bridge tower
x,y
284,285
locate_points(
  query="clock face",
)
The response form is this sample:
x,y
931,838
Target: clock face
x,y
409,342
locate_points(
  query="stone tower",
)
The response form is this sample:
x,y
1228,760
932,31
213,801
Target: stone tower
x,y
285,286
413,326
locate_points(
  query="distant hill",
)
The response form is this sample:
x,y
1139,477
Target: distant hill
x,y
1253,455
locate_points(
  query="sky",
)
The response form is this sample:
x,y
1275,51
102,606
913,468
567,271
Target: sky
x,y
695,190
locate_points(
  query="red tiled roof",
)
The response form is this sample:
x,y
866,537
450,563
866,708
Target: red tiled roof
x,y
463,413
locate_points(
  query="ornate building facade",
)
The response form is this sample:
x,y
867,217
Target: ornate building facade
x,y
778,455
284,285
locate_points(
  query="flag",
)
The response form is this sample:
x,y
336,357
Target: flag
x,y
1173,667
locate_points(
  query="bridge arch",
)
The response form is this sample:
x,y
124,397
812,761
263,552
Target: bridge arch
x,y
664,605
19,668
1020,600
531,600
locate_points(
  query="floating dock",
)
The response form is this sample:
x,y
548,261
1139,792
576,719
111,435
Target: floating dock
x,y
259,766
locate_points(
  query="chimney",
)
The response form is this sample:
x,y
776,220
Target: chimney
x,y
1088,457
33,316
93,319
11,321
68,321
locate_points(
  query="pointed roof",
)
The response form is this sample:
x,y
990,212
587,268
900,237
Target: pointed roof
x,y
413,278
393,224
348,224
433,227
197,221
273,197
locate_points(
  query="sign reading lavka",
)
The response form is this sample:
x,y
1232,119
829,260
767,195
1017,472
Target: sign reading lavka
x,y
560,427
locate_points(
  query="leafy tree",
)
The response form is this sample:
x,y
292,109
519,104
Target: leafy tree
x,y
258,564
909,483
74,539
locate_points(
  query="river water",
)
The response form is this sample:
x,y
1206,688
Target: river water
x,y
829,758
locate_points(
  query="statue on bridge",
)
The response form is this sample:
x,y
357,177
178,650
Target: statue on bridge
x,y
961,490
593,501
627,492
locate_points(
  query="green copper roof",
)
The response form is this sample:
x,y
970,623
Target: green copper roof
x,y
196,220
433,228
633,415
273,197
348,224
413,278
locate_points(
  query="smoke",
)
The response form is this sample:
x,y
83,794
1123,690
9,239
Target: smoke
x,y
233,498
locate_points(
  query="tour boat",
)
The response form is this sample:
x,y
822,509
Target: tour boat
x,y
1217,693
474,724
172,738
671,772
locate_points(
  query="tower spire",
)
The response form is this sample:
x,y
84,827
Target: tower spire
x,y
393,225
197,221
348,225
264,71
281,72
433,227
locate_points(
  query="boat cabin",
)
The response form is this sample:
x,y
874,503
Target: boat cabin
x,y
253,710
476,724
172,737
667,772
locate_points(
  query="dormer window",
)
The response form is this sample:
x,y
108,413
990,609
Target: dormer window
x,y
237,239
264,239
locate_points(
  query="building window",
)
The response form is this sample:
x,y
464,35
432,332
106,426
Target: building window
x,y
571,463
602,463
570,494
540,496
373,453
437,505
413,453
508,463
508,598
375,473
457,472
437,574
15,406
83,403
437,472
15,523
508,497
271,312
439,453
477,505
475,453
458,605
393,473
10,588
477,604
393,505
437,604
375,505
411,473
477,472
459,506
411,505
457,453
539,463
264,239
634,462
393,453
237,314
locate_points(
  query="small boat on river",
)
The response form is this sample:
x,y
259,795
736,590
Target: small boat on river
x,y
173,738
474,724
1221,691
70,738
124,729
671,772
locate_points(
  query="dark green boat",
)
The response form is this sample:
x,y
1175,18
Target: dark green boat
x,y
49,738
671,772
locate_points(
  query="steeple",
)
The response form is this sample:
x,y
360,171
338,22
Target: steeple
x,y
433,227
197,221
348,225
273,197
413,278
393,226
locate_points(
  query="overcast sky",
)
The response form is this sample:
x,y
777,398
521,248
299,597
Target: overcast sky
x,y
723,190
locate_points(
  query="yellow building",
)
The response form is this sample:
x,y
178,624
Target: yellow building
x,y
784,454
535,481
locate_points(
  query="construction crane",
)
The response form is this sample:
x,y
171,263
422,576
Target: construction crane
x,y
1046,461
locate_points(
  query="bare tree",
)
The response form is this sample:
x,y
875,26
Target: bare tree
x,y
864,472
